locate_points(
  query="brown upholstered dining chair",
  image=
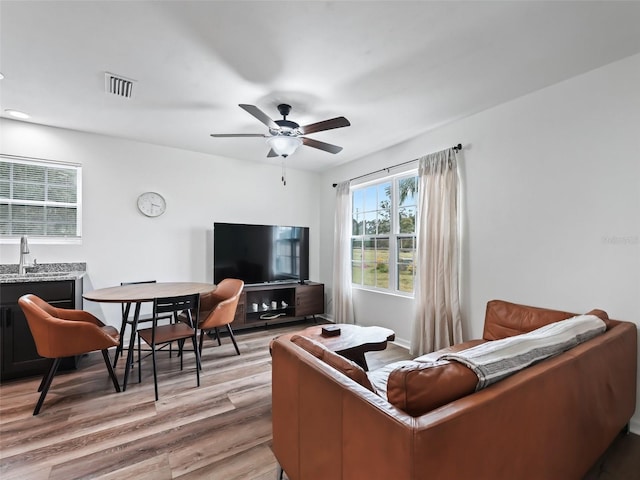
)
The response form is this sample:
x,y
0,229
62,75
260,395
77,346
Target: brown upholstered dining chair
x,y
59,333
218,309
159,335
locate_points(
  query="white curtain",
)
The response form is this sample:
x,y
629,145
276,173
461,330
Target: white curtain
x,y
437,323
342,301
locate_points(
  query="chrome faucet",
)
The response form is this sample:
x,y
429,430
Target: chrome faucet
x,y
24,250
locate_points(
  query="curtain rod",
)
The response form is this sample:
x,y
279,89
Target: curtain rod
x,y
455,147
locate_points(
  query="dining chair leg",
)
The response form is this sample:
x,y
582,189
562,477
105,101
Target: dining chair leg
x,y
218,336
197,353
139,361
174,319
45,376
105,355
233,338
155,372
200,344
48,378
118,349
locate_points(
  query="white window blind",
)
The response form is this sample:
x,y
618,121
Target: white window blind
x,y
39,198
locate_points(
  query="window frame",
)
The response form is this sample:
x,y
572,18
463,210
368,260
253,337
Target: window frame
x,y
47,239
393,235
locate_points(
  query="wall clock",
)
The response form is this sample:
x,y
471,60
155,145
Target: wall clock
x,y
152,204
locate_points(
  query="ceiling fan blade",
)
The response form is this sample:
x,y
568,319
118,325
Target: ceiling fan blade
x,y
327,147
260,115
238,135
337,122
272,153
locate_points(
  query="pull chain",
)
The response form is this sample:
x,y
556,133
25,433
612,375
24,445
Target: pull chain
x,y
284,175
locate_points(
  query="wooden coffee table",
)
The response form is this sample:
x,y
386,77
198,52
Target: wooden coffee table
x,y
354,340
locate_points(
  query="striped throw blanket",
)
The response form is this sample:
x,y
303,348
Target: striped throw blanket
x,y
495,360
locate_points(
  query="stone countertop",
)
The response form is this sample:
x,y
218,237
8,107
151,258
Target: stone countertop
x,y
45,272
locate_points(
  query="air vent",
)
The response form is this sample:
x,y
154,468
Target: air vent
x,y
118,85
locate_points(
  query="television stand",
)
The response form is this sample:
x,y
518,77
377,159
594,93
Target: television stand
x,y
293,301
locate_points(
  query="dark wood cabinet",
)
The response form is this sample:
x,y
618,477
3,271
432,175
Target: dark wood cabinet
x,y
239,319
19,355
309,300
262,305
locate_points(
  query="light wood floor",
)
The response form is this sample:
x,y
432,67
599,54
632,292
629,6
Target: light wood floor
x,y
221,430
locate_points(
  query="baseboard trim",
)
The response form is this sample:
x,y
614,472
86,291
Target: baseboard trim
x,y
401,342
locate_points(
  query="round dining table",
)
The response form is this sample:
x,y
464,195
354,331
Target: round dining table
x,y
146,292
139,293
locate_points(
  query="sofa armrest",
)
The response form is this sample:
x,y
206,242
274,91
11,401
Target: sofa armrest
x,y
566,410
325,425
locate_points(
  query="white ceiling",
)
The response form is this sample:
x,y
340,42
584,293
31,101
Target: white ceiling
x,y
395,69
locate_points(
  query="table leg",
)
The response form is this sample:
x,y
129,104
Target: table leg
x,y
123,326
358,357
132,340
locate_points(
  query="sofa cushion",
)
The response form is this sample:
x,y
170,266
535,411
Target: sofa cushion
x,y
380,376
602,315
503,319
379,379
419,387
347,367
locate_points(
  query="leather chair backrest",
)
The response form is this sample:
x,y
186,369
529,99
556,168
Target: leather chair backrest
x,y
221,304
58,332
40,320
40,303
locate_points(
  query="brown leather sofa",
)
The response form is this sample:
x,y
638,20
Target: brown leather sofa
x,y
549,421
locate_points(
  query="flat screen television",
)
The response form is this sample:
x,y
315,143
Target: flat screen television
x,y
260,253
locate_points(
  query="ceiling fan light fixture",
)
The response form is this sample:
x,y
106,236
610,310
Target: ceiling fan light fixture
x,y
286,136
284,145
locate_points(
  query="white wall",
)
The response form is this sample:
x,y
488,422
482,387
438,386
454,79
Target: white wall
x,y
121,244
552,202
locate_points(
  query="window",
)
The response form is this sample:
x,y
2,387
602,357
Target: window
x,y
39,198
383,241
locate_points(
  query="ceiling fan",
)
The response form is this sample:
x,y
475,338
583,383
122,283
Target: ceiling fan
x,y
285,136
